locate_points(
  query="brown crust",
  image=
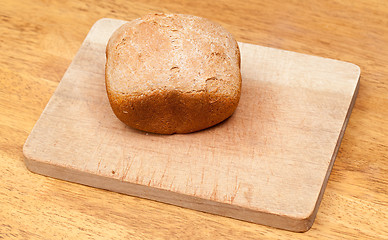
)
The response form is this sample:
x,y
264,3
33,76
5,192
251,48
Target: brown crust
x,y
172,73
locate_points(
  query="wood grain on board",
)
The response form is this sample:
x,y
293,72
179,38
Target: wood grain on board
x,y
39,40
269,163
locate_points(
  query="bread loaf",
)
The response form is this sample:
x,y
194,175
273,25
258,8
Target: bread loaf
x,y
172,73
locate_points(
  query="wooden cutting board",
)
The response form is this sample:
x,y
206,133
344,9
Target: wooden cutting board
x,y
269,163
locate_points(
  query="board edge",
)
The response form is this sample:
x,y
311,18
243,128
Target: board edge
x,y
313,213
168,197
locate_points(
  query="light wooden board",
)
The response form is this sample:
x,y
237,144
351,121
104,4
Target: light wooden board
x,y
269,163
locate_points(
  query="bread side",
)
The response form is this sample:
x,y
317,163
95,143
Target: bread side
x,y
172,73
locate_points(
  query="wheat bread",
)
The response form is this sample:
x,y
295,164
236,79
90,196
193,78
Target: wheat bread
x,y
172,73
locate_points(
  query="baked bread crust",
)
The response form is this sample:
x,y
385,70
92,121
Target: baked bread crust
x,y
172,73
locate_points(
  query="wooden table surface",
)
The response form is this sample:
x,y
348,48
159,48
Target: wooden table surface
x,y
38,40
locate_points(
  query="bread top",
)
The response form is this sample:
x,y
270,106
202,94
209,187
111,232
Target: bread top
x,y
173,52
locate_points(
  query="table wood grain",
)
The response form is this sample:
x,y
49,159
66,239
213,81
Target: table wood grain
x,y
38,40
